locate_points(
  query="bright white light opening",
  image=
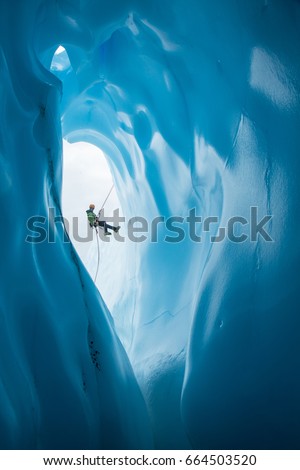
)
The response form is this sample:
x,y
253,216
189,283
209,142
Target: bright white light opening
x,y
60,61
59,50
86,179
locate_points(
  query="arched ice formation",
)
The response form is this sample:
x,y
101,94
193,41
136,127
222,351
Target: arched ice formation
x,y
197,106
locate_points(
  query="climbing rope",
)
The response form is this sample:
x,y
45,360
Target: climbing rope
x,y
98,262
97,237
105,200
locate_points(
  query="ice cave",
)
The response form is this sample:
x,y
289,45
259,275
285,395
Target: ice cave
x,y
191,340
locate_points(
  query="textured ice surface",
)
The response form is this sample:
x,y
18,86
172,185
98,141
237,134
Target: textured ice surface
x,y
196,103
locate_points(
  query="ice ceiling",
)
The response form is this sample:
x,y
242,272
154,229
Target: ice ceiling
x,y
196,103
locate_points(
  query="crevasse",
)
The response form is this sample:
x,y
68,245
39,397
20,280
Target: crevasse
x,y
197,106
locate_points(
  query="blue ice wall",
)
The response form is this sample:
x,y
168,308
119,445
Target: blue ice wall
x,y
197,106
66,381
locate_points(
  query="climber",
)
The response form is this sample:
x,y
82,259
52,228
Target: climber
x,y
95,221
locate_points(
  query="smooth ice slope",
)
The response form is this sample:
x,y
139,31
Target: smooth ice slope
x,y
197,106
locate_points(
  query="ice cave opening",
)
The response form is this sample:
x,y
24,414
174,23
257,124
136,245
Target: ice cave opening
x,y
153,327
87,179
115,275
197,106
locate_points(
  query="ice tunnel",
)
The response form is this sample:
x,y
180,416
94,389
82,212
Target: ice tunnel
x,y
196,105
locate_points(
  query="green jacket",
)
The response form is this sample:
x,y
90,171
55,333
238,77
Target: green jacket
x,y
91,217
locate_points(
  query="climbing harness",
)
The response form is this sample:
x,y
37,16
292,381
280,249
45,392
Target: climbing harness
x,y
97,237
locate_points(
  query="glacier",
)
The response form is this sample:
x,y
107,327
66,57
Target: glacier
x,y
197,344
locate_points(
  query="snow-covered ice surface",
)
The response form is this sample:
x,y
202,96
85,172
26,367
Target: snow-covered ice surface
x,y
196,105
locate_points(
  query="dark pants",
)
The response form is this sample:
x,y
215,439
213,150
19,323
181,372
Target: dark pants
x,y
103,224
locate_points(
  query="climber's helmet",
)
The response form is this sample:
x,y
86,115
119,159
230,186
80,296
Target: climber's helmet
x,y
92,206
